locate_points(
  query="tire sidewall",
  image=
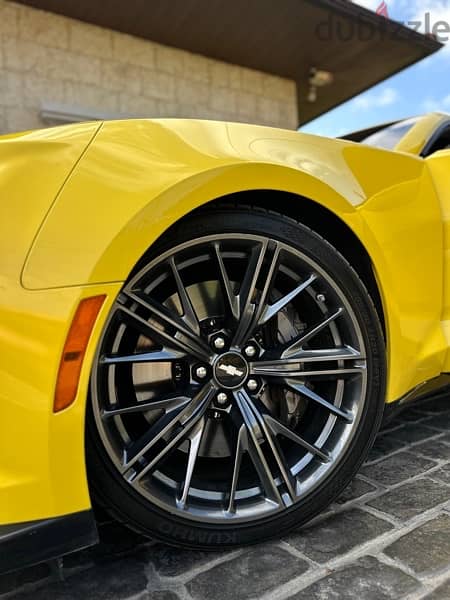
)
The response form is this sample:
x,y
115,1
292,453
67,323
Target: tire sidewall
x,y
128,506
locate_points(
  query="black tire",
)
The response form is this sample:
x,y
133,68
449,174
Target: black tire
x,y
125,503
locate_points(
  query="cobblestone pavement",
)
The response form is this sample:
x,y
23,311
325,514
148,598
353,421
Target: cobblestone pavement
x,y
386,537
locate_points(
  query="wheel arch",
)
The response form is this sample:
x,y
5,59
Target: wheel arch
x,y
321,220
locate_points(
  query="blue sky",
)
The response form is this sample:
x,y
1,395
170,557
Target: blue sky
x,y
421,88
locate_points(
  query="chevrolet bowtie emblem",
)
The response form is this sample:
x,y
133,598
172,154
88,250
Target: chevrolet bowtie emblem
x,y
231,370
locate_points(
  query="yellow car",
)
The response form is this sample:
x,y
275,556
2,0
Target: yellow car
x,y
202,323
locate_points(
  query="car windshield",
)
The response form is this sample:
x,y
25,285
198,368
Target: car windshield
x,y
390,136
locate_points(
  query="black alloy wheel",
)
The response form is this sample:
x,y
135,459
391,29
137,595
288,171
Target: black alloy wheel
x,y
238,384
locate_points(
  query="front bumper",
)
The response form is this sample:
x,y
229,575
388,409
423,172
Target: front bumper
x,y
25,544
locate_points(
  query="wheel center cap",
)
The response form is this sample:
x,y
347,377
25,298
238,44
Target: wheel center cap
x,y
231,370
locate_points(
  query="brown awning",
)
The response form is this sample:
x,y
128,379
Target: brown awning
x,y
282,37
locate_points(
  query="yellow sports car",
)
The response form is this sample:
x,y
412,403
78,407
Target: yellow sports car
x,y
201,323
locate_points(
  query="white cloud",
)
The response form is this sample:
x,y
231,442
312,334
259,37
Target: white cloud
x,y
371,4
370,100
432,105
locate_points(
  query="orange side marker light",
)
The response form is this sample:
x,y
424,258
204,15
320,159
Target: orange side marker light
x,y
74,351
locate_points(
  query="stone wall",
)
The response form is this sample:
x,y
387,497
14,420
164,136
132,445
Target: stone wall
x,y
48,59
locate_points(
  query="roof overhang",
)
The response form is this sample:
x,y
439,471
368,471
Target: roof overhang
x,y
286,38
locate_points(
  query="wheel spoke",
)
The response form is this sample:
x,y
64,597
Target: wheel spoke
x,y
291,349
173,428
188,310
247,292
142,357
272,309
305,391
295,367
161,313
241,447
227,288
195,439
187,346
276,451
280,429
256,454
169,403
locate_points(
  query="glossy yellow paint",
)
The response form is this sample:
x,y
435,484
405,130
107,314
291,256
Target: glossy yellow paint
x,y
417,137
96,197
439,165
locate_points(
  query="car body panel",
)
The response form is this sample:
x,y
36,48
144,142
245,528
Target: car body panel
x,y
104,193
439,166
418,136
139,177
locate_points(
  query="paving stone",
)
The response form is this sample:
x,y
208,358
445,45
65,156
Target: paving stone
x,y
433,449
338,534
248,576
414,433
411,416
397,468
426,548
385,444
120,579
440,422
440,593
354,490
160,595
412,498
442,474
366,579
172,562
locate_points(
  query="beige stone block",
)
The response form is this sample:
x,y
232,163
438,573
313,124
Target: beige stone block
x,y
235,76
11,87
22,119
37,90
170,60
89,39
196,67
288,114
169,109
157,85
133,50
278,87
219,73
223,101
138,106
43,27
181,110
90,96
69,66
22,55
9,16
252,81
2,120
192,92
267,111
246,105
121,77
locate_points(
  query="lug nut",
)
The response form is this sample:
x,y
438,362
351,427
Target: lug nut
x,y
252,385
219,343
222,398
201,372
320,298
250,351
